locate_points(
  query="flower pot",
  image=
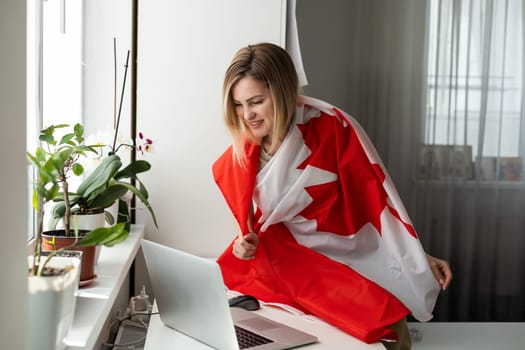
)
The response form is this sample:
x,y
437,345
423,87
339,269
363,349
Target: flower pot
x,y
56,239
52,305
90,222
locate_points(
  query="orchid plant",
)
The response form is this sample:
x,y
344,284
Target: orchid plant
x,y
111,181
108,183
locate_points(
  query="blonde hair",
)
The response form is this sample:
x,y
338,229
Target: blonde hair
x,y
271,65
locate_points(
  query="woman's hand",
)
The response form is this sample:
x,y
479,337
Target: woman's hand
x,y
441,270
245,246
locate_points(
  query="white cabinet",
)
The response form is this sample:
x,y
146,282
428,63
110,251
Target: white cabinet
x,y
184,48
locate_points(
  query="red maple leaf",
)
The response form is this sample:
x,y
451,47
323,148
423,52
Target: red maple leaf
x,y
358,197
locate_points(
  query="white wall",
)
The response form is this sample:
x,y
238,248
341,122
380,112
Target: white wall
x,y
13,184
184,48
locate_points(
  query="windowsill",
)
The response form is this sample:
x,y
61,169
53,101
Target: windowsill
x,y
94,302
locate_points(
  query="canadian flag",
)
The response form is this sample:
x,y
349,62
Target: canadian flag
x,y
335,238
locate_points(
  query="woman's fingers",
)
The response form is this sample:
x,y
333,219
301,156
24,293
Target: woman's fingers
x,y
244,247
441,270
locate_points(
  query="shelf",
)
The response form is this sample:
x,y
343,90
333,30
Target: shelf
x,y
95,301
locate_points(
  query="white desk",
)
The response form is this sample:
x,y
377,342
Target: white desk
x,y
330,338
469,336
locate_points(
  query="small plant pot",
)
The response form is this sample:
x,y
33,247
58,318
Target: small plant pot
x,y
56,239
52,304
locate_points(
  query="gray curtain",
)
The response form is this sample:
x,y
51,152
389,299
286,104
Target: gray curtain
x,y
472,211
437,86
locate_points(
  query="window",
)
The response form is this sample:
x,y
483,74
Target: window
x,y
475,78
62,62
54,66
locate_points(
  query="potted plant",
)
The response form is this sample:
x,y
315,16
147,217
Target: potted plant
x,y
56,160
52,278
109,182
51,293
101,197
106,185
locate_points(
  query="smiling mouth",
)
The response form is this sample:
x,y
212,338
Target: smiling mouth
x,y
255,124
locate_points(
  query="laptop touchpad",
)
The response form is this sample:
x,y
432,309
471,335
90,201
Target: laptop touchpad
x,y
258,324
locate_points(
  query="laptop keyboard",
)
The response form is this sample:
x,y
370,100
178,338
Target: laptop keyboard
x,y
247,339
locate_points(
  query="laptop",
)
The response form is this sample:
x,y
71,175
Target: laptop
x,y
191,298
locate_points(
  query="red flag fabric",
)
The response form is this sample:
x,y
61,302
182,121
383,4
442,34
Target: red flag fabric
x,y
335,239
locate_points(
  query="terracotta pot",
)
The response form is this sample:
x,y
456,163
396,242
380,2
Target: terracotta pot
x,y
56,239
88,221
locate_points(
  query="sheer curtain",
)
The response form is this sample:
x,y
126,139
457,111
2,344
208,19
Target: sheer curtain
x,y
437,84
469,195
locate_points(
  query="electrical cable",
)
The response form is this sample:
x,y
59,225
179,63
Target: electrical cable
x,y
135,314
128,321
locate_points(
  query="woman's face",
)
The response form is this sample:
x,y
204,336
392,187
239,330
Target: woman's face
x,y
254,105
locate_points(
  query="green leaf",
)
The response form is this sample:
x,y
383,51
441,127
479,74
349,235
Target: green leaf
x,y
46,135
94,237
123,214
34,200
82,149
133,168
58,210
46,138
107,168
108,196
58,126
107,236
117,235
40,154
33,159
67,139
60,158
142,189
79,132
78,169
142,198
47,193
110,219
48,171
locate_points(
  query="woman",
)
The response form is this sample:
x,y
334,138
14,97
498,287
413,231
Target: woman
x,y
322,227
